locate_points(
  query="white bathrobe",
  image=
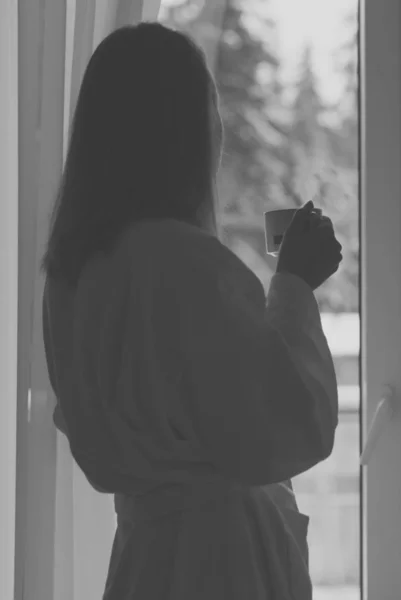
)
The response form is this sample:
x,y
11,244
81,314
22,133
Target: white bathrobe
x,y
188,395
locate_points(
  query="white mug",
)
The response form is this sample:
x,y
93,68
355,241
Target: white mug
x,y
276,223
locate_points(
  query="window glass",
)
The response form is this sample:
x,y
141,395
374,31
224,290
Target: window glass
x,y
286,71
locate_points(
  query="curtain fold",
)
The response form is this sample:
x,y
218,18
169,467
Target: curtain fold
x,y
64,528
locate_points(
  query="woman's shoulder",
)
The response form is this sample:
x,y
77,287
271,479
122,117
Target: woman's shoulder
x,y
179,245
165,233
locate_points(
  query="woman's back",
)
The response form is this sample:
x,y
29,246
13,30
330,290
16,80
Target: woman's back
x,y
170,398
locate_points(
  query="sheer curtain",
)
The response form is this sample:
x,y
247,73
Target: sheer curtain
x,y
64,529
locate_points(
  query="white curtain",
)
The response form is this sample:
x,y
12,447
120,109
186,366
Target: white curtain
x,y
64,529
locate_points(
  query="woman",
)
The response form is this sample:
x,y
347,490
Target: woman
x,y
182,391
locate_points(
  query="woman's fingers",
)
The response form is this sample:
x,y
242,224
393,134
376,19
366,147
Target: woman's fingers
x,y
301,217
324,226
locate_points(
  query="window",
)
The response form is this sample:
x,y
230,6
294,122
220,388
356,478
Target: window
x,y
291,100
381,288
287,75
354,515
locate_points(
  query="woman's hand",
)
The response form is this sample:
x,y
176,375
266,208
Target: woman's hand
x,y
310,248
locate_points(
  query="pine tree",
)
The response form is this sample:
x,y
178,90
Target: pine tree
x,y
307,107
246,73
316,167
305,149
348,106
247,69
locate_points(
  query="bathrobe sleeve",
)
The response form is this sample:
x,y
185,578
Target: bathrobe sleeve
x,y
257,371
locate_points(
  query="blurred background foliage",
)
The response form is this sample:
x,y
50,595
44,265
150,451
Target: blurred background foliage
x,y
283,145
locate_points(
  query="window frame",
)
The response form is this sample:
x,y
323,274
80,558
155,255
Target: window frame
x,y
9,289
380,235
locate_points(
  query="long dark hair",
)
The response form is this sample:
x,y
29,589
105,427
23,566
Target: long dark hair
x,y
142,145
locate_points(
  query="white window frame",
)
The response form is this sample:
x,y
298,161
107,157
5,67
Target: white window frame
x,y
8,288
380,52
